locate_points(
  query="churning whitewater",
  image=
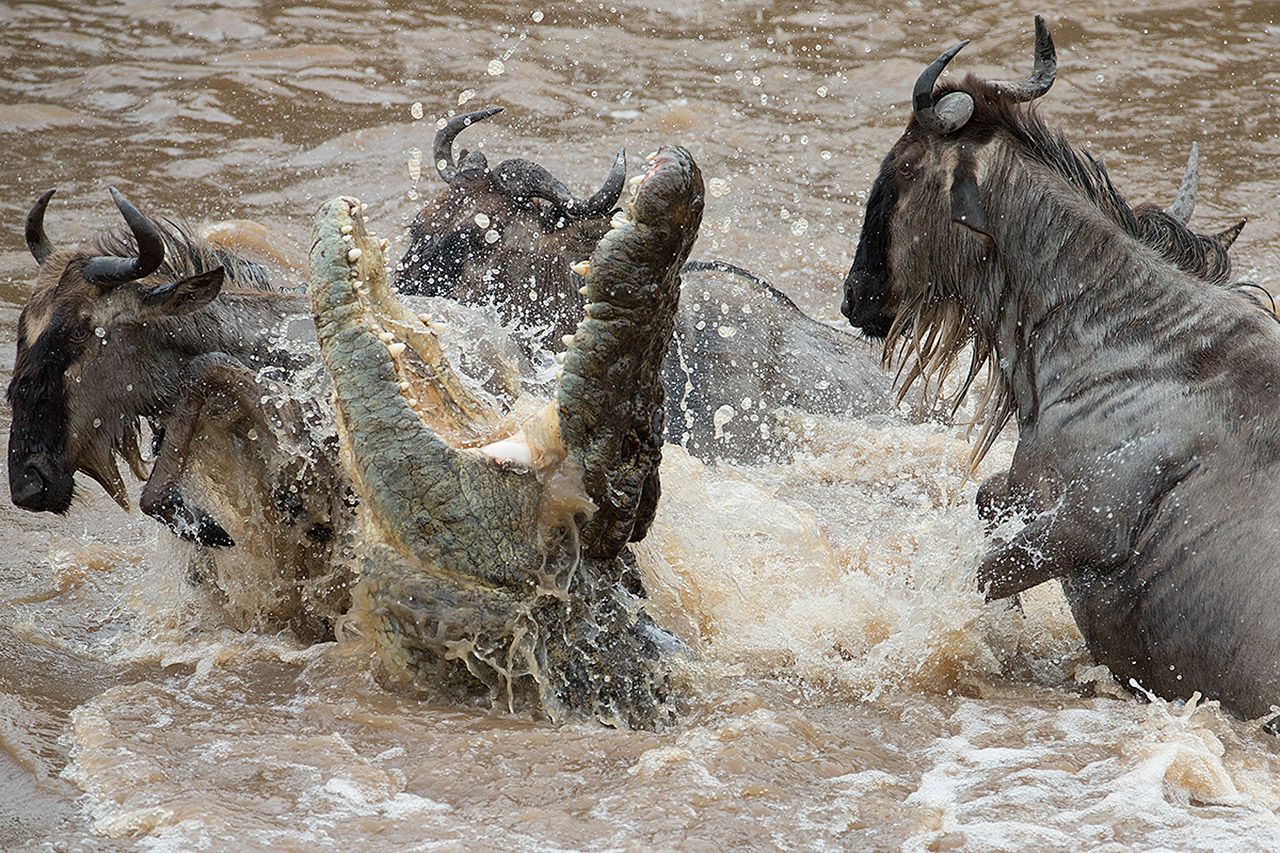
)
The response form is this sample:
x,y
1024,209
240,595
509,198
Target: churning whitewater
x,y
836,678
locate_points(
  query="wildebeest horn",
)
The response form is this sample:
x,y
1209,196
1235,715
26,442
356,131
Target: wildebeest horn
x,y
607,196
109,270
1184,204
1042,73
37,241
442,149
948,114
1228,236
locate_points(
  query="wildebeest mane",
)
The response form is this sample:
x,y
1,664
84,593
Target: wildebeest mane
x,y
186,255
1195,254
929,334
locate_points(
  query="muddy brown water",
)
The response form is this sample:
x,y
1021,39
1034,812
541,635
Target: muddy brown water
x,y
851,691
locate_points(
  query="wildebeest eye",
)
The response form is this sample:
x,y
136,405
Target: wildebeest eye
x,y
78,332
904,170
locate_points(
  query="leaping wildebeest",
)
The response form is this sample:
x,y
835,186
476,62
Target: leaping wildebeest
x,y
1148,455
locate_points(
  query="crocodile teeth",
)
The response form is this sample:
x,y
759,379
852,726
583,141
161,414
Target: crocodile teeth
x,y
560,358
354,255
619,219
651,156
636,180
347,229
395,349
582,290
404,386
425,319
567,340
582,268
386,337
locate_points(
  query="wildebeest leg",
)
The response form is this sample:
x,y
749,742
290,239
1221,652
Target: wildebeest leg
x,y
1053,545
209,376
999,500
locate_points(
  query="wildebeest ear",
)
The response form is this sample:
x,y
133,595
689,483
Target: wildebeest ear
x,y
184,295
966,202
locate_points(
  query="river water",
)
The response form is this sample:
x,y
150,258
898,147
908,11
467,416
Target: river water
x,y
851,690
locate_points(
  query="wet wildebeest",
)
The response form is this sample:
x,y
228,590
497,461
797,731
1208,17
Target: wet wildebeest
x,y
155,324
1149,438
510,238
514,228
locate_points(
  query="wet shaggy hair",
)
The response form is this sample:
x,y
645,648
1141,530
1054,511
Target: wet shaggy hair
x,y
186,255
936,330
1195,254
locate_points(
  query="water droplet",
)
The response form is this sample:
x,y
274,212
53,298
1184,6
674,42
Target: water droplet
x,y
482,220
253,435
100,332
465,95
537,16
822,91
97,422
799,226
496,67
415,164
416,110
1100,78
491,236
719,187
755,80
129,387
726,331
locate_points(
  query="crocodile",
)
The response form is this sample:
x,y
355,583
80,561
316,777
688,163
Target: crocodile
x,y
494,552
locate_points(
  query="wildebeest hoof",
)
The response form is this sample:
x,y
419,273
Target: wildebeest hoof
x,y
187,522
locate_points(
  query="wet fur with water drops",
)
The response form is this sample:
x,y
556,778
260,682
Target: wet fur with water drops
x,y
1148,456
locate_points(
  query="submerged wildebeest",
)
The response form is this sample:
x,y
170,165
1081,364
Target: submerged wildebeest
x,y
156,324
1149,438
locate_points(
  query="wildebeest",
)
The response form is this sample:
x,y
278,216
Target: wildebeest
x,y
1149,440
510,238
513,229
156,324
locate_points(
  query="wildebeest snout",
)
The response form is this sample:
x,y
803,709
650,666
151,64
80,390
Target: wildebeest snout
x,y
36,484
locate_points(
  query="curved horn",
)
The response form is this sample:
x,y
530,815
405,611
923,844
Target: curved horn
x,y
37,240
108,270
1228,236
606,197
442,148
1184,204
1042,73
950,113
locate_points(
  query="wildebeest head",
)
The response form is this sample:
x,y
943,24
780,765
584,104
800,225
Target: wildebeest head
x,y
505,236
64,420
925,226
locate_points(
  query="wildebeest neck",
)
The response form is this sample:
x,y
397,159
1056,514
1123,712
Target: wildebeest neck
x,y
1068,282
